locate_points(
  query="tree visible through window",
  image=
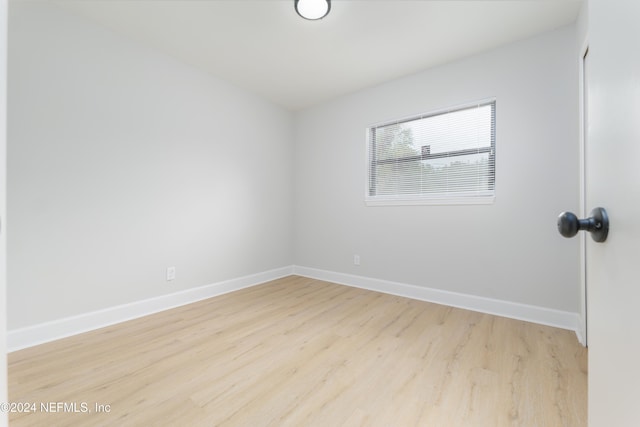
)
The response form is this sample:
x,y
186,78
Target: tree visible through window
x,y
448,155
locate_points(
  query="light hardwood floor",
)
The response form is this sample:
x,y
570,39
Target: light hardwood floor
x,y
301,352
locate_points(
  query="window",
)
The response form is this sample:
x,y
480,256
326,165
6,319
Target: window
x,y
442,157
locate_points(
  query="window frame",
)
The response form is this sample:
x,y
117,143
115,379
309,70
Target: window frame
x,y
442,198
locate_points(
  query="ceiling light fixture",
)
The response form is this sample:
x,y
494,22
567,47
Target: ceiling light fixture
x,y
313,9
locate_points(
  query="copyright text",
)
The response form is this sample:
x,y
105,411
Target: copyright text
x,y
53,407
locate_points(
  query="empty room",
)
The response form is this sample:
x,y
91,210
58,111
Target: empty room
x,y
319,213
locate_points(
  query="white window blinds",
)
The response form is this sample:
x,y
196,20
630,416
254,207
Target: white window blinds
x,y
444,155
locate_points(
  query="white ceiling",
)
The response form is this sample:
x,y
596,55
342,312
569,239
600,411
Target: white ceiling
x,y
265,47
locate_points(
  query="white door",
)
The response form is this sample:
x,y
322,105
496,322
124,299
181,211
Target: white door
x,y
613,179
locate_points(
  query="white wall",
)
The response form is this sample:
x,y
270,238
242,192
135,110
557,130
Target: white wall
x,y
124,162
582,24
509,250
3,211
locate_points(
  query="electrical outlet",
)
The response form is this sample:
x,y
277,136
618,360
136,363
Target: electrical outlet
x,y
356,260
171,273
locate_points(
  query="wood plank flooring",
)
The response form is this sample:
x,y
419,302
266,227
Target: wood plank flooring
x,y
301,352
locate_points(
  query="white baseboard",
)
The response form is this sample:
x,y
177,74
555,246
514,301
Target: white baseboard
x,y
29,336
38,334
513,310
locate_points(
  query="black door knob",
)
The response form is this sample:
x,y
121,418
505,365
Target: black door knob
x,y
597,224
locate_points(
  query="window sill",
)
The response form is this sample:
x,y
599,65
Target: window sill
x,y
418,201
